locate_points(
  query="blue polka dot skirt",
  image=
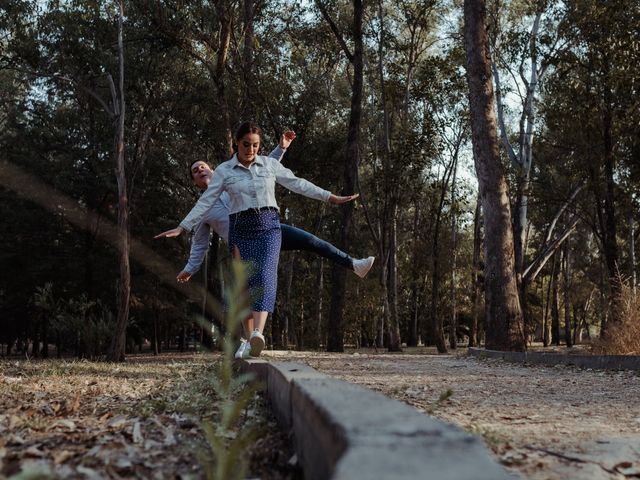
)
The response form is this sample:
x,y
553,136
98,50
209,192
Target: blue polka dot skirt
x,y
258,237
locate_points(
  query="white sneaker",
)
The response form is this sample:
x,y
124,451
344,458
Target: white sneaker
x,y
247,350
256,342
241,349
361,267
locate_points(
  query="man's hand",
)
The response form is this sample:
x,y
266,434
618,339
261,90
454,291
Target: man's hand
x,y
287,137
183,277
338,200
174,232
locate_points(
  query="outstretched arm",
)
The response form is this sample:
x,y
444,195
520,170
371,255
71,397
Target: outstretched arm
x,y
287,179
285,140
339,200
205,202
199,248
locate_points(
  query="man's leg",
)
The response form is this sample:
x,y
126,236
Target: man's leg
x,y
296,239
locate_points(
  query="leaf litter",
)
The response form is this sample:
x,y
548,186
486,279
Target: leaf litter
x,y
141,419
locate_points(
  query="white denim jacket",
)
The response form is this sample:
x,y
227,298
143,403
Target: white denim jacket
x,y
250,187
216,219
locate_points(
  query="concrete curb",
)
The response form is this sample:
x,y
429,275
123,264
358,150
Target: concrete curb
x,y
603,362
345,431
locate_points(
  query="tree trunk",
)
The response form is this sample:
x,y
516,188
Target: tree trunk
x,y
610,225
393,325
555,314
632,252
505,329
545,317
453,326
319,304
335,341
412,338
224,16
566,264
436,318
277,337
247,57
154,334
300,334
117,348
288,327
604,311
385,318
475,266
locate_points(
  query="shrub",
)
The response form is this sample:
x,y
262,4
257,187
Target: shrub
x,y
622,336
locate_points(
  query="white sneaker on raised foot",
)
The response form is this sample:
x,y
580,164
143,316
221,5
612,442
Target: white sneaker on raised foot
x,y
362,266
256,342
240,353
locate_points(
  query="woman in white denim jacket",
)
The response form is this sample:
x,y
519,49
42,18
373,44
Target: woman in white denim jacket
x,y
254,222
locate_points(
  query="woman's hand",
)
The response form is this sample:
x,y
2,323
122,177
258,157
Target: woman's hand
x,y
174,232
183,277
287,137
338,200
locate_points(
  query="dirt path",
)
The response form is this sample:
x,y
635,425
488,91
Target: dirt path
x,y
545,422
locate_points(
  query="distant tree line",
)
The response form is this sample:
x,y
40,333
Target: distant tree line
x,y
495,145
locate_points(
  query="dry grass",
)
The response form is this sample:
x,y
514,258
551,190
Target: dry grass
x,y
623,335
141,419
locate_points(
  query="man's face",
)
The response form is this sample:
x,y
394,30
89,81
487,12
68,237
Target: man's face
x,y
201,174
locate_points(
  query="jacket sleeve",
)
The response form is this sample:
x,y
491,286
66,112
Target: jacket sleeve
x,y
277,153
287,179
199,248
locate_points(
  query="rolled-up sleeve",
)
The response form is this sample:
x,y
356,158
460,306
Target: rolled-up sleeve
x,y
287,179
205,202
277,153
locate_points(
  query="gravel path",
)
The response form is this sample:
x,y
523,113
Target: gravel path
x,y
544,422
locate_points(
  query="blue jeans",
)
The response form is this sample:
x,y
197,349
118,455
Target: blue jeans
x,y
296,239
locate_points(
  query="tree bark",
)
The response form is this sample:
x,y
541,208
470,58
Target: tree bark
x,y
453,326
335,341
412,338
475,298
566,267
632,252
436,318
224,17
505,329
610,244
117,349
555,313
393,325
319,304
288,327
247,57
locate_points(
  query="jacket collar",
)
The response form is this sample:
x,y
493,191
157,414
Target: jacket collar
x,y
236,163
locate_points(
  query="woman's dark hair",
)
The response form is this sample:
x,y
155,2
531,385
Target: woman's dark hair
x,y
247,127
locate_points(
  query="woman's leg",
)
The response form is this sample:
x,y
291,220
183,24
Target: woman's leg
x,y
248,324
258,321
297,239
259,241
256,339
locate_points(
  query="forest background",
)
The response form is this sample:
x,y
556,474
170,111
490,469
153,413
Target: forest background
x,y
377,95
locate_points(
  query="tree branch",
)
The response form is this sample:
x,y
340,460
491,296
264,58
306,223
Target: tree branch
x,y
532,270
503,129
335,30
560,211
